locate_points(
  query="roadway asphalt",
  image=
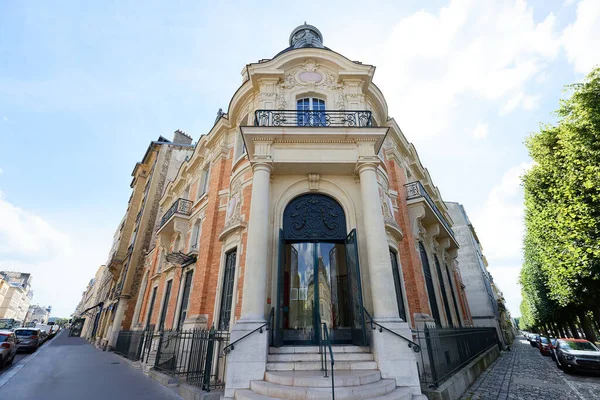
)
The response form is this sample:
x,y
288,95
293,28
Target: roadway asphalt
x,y
71,368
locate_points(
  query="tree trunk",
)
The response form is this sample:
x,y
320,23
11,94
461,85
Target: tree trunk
x,y
596,312
586,326
573,329
561,331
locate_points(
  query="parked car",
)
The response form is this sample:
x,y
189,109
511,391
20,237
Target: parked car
x,y
553,348
545,345
29,338
8,347
577,355
46,331
533,339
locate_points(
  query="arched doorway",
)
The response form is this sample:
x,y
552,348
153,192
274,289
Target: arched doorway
x,y
319,275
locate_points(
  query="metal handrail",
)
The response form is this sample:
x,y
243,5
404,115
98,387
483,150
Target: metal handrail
x,y
324,353
231,346
416,348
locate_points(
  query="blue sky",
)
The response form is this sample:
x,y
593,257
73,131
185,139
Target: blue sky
x,y
85,86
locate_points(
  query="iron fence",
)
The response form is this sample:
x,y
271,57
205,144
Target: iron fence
x,y
447,350
195,356
134,344
314,118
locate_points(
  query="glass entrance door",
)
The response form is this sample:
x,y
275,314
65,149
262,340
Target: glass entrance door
x,y
314,283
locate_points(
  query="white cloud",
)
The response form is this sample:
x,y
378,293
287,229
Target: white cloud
x,y
61,264
527,102
581,39
25,235
1,172
5,118
481,130
499,225
487,50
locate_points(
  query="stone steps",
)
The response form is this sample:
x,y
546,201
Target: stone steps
x,y
294,372
316,365
316,378
398,394
292,357
315,349
366,391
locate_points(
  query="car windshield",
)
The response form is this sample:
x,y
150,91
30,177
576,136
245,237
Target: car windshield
x,y
578,346
3,338
545,340
553,341
26,332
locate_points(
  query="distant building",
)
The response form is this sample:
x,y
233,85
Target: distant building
x,y
119,284
479,284
38,314
15,294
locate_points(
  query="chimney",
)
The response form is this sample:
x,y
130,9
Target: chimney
x,y
180,137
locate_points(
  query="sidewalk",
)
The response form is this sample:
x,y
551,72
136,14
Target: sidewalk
x,y
71,368
524,373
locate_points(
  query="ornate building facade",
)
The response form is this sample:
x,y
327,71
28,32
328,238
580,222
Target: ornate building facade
x,y
304,205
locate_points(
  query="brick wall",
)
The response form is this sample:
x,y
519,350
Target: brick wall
x,y
412,270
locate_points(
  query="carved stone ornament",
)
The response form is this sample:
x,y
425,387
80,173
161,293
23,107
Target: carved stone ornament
x,y
314,217
313,181
235,203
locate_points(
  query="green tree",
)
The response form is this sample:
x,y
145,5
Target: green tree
x,y
561,272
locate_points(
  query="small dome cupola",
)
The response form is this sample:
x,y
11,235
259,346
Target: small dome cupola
x,y
306,36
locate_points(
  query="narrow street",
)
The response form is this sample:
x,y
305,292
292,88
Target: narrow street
x,y
524,373
71,368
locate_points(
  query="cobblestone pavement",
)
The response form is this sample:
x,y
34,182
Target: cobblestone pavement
x,y
524,373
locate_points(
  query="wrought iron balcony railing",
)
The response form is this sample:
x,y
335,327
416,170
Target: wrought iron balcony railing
x,y
181,206
415,190
338,118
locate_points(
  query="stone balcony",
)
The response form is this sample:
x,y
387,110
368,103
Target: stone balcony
x,y
176,218
417,196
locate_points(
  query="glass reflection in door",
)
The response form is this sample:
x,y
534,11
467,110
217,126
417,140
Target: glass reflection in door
x,y
298,294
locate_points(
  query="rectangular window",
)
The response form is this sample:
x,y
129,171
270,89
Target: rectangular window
x,y
429,283
163,313
443,289
195,236
227,292
152,300
453,295
187,286
203,182
398,285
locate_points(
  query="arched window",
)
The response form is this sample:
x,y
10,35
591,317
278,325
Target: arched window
x,y
311,112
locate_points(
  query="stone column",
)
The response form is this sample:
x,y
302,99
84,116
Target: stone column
x,y
394,358
378,255
255,274
247,362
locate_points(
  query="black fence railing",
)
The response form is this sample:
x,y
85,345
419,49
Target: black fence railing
x,y
447,350
133,344
416,189
195,356
310,118
181,206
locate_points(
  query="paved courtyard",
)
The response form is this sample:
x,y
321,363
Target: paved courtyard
x,y
524,373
